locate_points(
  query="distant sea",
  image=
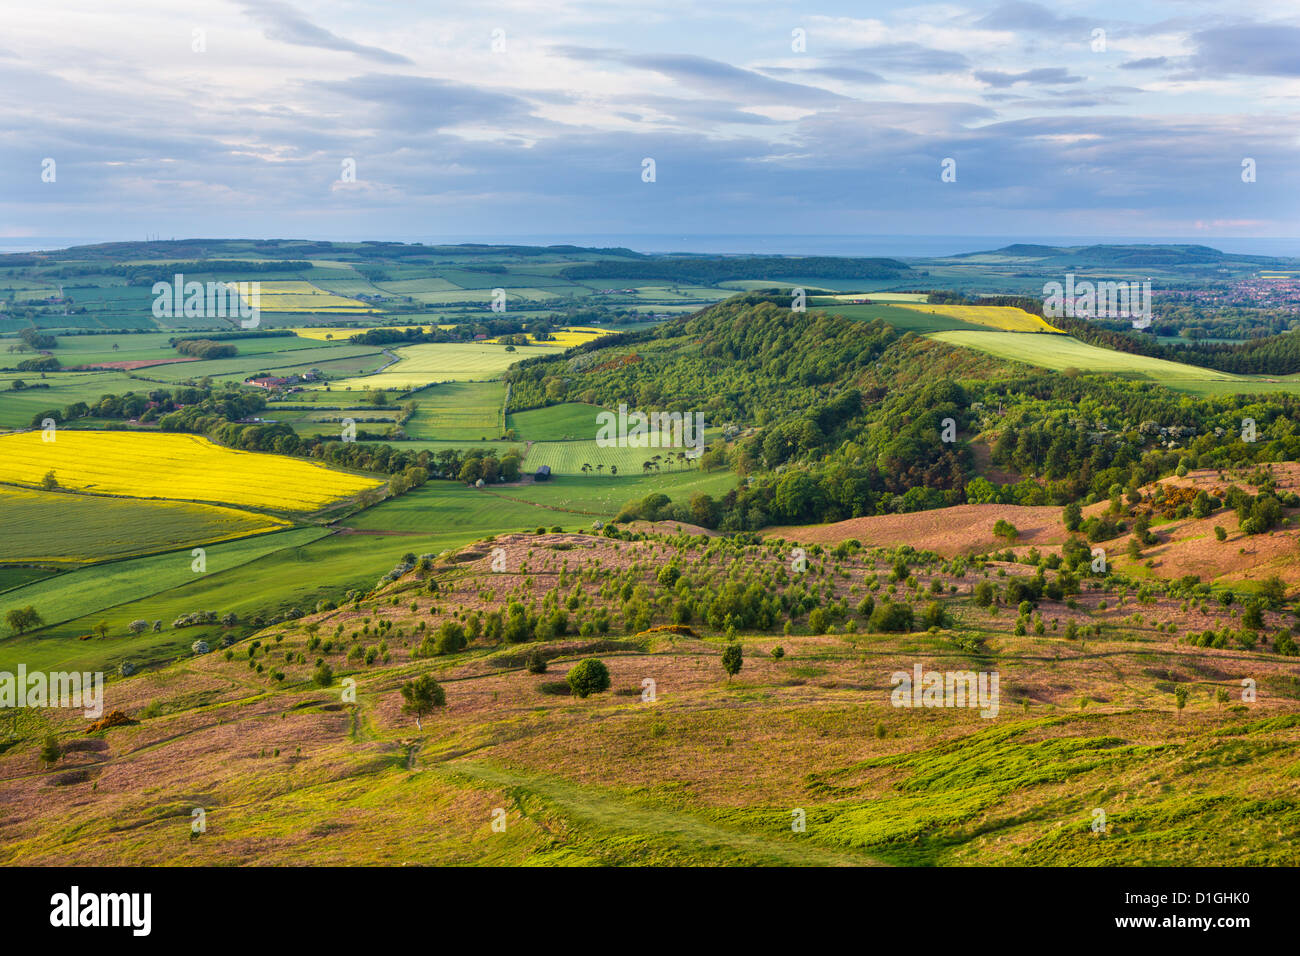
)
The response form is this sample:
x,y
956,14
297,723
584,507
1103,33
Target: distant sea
x,y
799,245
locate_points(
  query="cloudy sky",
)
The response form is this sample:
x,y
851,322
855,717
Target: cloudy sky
x,y
240,117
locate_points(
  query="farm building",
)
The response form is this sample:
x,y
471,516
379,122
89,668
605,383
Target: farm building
x,y
270,381
543,473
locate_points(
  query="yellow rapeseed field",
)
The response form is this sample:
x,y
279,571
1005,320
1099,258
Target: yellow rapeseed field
x,y
1000,317
183,467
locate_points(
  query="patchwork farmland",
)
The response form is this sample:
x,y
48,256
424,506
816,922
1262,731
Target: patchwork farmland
x,y
204,531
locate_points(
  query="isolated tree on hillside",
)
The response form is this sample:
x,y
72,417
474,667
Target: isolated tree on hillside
x,y
1180,697
51,751
589,676
422,695
1006,530
23,619
733,658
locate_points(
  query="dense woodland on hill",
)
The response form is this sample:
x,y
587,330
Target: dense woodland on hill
x,y
852,416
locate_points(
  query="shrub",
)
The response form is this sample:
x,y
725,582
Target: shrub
x,y
935,616
535,661
451,638
892,616
200,647
589,676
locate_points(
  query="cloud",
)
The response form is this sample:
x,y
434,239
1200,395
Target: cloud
x,y
1046,76
418,104
1146,63
1029,17
1256,49
844,74
282,22
711,76
907,58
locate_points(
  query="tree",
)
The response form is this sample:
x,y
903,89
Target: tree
x,y
1252,617
101,629
1006,530
1180,697
589,676
138,626
422,695
49,482
50,750
733,659
323,675
1073,516
23,619
935,616
1220,533
451,638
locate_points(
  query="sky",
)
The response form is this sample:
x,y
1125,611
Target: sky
x,y
353,119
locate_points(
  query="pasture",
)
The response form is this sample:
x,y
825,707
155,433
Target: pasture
x,y
187,467
568,458
594,495
65,528
570,420
58,390
91,590
426,364
304,297
1058,352
458,411
443,506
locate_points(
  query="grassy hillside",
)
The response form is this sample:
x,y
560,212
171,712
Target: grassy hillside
x,y
711,769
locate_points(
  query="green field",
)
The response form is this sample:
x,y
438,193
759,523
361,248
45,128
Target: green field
x,y
450,507
306,566
89,590
61,527
64,388
1058,352
568,457
336,361
603,497
568,421
426,364
74,350
458,411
